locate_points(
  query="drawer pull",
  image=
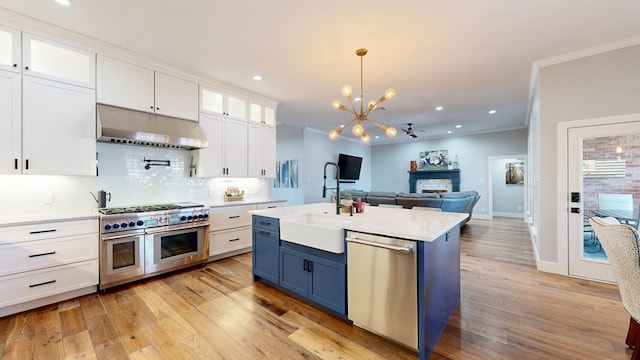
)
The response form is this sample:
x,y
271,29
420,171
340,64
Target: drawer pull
x,y
234,217
43,254
41,231
265,223
44,283
265,233
236,239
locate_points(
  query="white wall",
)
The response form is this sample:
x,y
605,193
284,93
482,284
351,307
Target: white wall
x,y
391,162
507,199
596,86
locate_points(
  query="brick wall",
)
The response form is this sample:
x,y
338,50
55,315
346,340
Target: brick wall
x,y
604,148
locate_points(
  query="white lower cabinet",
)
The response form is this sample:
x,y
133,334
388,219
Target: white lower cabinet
x,y
47,262
230,230
226,241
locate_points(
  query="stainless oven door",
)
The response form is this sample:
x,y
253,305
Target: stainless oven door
x,y
121,258
173,247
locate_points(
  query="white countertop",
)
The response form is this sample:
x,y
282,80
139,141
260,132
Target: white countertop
x,y
47,217
222,203
410,224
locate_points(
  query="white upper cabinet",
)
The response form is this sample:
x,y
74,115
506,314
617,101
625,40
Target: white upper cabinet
x,y
10,122
56,61
262,112
226,155
10,49
176,97
125,85
134,87
219,101
58,128
262,151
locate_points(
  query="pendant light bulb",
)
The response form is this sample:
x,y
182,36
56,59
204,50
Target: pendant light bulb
x,y
333,134
357,130
346,90
391,131
365,138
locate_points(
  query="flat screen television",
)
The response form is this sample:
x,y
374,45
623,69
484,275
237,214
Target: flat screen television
x,y
349,167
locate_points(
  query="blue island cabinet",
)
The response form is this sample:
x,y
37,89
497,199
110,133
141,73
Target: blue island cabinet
x,y
312,277
266,249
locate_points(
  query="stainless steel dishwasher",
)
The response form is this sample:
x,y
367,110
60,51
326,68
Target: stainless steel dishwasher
x,y
382,286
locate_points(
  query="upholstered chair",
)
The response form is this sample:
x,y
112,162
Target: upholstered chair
x,y
620,243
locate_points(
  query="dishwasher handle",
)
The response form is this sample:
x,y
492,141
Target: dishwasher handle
x,y
405,249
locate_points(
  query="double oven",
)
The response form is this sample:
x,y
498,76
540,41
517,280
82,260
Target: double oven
x,y
142,241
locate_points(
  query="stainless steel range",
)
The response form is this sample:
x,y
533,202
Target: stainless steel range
x,y
142,241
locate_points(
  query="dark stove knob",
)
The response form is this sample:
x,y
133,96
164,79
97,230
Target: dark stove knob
x,y
205,216
200,216
124,225
140,223
116,226
183,218
132,224
190,217
107,227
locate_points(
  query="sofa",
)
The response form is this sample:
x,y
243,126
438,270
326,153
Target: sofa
x,y
460,202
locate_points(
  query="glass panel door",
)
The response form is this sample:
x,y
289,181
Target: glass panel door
x,y
601,165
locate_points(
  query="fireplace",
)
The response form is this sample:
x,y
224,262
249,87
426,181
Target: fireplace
x,y
453,175
434,185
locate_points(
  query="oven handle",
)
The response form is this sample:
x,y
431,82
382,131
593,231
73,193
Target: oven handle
x,y
164,229
116,237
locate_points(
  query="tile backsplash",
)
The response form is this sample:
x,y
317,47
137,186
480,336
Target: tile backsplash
x,y
121,172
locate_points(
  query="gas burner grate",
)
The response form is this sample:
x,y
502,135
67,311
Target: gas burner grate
x,y
145,208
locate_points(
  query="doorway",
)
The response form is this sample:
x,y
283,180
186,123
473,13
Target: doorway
x,y
600,163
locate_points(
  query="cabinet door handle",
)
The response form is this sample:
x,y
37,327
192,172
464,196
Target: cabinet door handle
x,y
26,68
305,265
15,164
234,217
43,254
157,108
41,231
309,265
42,283
26,164
236,239
151,107
15,65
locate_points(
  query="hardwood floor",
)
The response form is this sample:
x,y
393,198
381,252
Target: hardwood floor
x,y
508,310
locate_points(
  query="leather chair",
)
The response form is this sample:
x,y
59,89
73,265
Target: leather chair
x,y
620,242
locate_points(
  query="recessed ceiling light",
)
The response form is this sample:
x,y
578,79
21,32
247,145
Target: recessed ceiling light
x,y
356,99
377,136
458,126
63,2
492,112
439,108
257,77
449,132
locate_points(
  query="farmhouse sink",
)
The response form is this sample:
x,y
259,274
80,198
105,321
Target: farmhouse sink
x,y
324,232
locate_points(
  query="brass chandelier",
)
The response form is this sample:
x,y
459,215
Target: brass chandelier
x,y
361,116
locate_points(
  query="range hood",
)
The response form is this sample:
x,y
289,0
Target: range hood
x,y
124,126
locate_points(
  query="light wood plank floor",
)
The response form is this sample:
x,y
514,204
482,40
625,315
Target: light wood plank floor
x,y
508,310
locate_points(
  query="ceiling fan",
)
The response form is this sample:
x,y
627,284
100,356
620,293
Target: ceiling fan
x,y
409,131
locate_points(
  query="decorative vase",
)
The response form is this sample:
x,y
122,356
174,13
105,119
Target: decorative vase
x,y
359,206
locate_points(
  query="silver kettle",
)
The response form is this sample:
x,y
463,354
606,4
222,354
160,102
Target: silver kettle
x,y
103,197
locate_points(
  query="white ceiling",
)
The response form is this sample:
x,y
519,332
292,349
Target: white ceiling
x,y
469,56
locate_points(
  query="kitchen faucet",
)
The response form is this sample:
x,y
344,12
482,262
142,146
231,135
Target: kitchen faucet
x,y
337,188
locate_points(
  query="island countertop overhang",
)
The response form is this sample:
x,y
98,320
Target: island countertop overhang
x,y
408,224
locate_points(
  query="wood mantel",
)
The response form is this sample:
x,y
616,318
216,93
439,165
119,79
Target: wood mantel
x,y
454,175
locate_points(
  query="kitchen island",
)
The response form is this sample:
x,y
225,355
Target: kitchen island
x,y
317,272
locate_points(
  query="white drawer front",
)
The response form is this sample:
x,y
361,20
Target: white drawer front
x,y
33,255
229,240
270,205
50,230
41,283
233,217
